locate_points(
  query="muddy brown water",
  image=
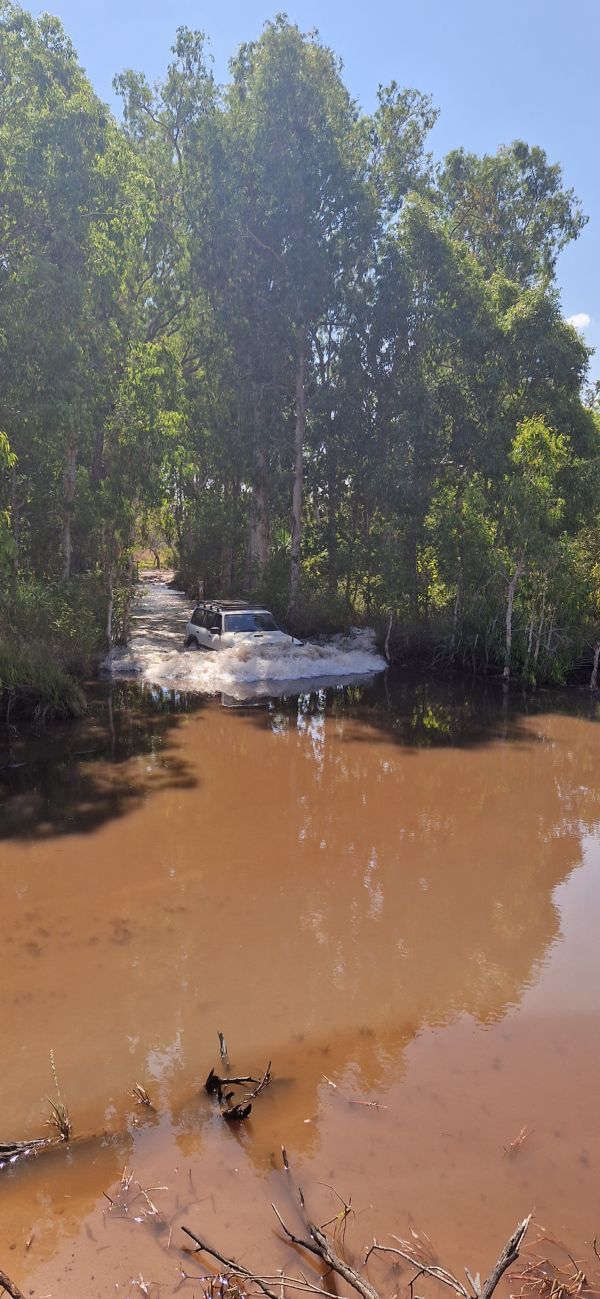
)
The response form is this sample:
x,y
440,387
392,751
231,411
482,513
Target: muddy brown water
x,y
393,887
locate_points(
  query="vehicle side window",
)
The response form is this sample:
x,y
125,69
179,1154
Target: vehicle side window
x,y
214,623
196,617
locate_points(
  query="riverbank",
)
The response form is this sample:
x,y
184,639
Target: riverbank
x,y
51,641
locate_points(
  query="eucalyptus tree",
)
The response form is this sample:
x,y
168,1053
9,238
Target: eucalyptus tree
x,y
435,337
68,198
511,209
303,202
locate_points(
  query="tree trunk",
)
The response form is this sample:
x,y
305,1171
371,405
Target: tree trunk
x,y
69,478
97,467
349,570
259,529
126,630
298,468
15,522
109,575
109,611
413,578
540,627
332,493
512,586
456,611
594,676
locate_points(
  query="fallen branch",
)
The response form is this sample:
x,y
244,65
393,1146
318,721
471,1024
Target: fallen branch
x,y
214,1082
9,1287
264,1082
509,1255
318,1244
230,1263
10,1151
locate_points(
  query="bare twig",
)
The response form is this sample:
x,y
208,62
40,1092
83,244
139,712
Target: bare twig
x,y
264,1082
433,1270
140,1094
9,1287
376,1105
318,1244
518,1141
230,1263
509,1255
214,1081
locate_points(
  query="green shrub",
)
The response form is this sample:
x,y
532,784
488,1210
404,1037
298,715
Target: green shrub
x,y
32,684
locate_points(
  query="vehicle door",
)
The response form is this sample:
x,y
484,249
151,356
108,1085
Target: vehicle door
x,y
199,617
215,625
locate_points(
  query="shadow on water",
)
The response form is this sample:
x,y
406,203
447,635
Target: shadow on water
x,y
71,779
420,712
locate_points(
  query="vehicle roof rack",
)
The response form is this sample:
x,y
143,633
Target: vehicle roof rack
x,y
229,605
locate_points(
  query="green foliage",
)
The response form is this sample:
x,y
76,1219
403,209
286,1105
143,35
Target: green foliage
x,y
33,685
66,623
261,325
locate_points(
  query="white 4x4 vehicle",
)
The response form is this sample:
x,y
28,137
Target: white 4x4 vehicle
x,y
222,624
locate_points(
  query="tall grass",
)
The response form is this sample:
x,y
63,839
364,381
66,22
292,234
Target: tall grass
x,y
31,684
50,636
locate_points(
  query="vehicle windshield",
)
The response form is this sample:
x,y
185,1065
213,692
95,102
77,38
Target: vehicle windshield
x,y
250,622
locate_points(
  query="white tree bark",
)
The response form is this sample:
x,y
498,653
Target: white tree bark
x,y
594,676
299,433
512,586
69,478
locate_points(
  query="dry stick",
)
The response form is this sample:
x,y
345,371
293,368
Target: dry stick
x,y
264,1082
376,1105
424,1269
319,1245
509,1255
9,1287
230,1263
214,1081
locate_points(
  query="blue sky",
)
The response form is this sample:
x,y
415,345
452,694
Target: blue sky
x,y
497,70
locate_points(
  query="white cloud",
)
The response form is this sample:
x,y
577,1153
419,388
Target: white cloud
x,y
580,321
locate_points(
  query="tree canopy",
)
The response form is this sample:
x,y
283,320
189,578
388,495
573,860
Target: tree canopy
x,y
269,328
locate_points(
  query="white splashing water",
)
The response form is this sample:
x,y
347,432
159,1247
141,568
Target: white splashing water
x,y
156,654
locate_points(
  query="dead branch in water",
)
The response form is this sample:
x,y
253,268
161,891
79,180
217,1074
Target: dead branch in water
x,y
9,1287
546,1279
316,1242
140,1094
264,1082
234,1268
11,1151
376,1105
508,1256
216,1083
518,1141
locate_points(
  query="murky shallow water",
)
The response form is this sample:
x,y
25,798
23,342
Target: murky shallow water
x,y
394,887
